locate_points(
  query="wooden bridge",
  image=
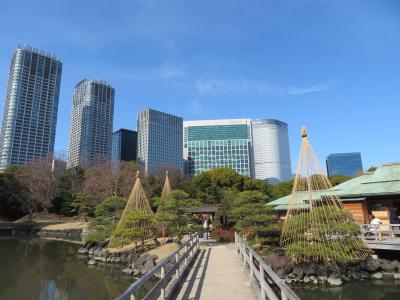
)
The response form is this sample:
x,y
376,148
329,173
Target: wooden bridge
x,y
203,269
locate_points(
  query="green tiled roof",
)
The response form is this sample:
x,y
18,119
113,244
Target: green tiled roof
x,y
384,181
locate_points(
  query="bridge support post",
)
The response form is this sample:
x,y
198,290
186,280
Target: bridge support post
x,y
177,265
251,266
186,260
162,275
262,284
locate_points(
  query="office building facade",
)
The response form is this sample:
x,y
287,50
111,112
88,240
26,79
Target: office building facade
x,y
160,140
271,152
91,129
31,106
346,164
124,145
211,144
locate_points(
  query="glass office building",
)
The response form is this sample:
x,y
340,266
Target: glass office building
x,y
160,140
218,143
347,164
31,105
271,151
124,145
91,129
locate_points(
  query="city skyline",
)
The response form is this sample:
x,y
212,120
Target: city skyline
x,y
340,83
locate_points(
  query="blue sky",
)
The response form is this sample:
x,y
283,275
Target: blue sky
x,y
333,66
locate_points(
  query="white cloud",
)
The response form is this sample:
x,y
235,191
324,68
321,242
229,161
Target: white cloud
x,y
224,87
170,72
196,108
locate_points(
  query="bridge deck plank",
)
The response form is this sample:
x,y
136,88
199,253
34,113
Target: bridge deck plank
x,y
216,274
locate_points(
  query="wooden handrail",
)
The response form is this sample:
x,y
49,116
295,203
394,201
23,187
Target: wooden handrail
x,y
268,284
377,231
168,281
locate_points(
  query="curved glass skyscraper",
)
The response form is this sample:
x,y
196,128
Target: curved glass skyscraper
x,y
30,113
271,150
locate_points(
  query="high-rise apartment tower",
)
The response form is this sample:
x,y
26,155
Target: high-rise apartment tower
x,y
91,129
31,106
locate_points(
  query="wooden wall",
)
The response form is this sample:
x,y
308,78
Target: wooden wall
x,y
358,210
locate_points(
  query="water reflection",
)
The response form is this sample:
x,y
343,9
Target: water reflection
x,y
359,290
45,270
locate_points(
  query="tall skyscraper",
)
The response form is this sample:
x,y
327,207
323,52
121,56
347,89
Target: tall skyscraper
x,y
271,151
160,141
124,145
211,144
31,106
347,164
91,128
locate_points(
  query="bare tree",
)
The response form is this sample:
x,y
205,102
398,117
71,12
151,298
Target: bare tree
x,y
99,181
124,178
39,184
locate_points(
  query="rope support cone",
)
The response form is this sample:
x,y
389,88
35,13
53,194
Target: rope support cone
x,y
317,227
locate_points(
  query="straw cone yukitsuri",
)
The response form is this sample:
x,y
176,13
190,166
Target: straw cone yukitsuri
x,y
318,229
167,187
137,221
164,195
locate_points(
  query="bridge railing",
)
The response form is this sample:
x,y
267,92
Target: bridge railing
x,y
380,232
268,284
165,277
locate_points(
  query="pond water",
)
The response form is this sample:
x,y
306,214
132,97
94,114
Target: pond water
x,y
35,268
360,290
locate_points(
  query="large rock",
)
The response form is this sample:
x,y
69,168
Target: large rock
x,y
370,264
100,258
396,264
310,269
127,271
280,264
117,260
377,275
83,251
334,280
388,267
298,271
92,262
147,267
144,258
387,276
332,269
103,253
89,244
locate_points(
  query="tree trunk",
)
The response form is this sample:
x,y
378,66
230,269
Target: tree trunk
x,y
30,216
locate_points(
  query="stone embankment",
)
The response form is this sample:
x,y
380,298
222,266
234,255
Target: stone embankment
x,y
68,234
333,273
69,231
131,264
